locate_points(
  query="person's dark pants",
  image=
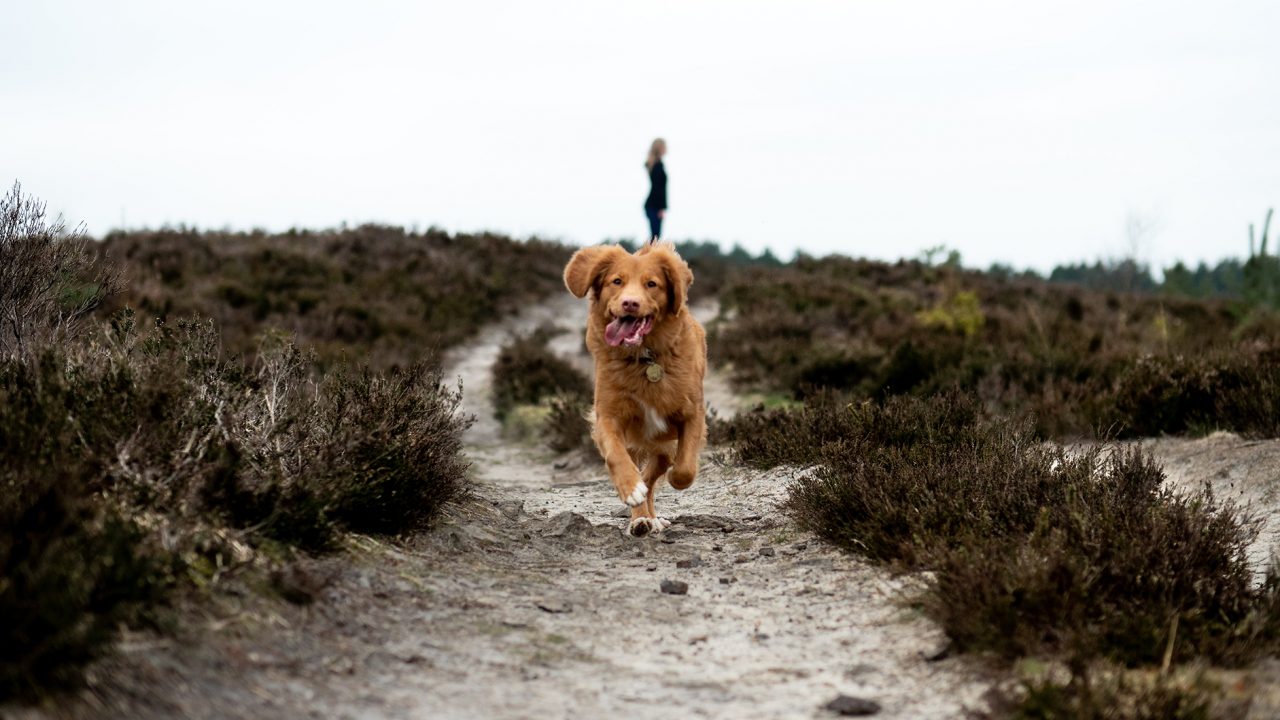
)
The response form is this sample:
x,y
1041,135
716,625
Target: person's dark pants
x,y
655,223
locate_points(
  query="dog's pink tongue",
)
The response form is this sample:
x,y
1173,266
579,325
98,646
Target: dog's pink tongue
x,y
618,330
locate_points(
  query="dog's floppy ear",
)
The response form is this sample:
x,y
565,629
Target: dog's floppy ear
x,y
586,269
679,278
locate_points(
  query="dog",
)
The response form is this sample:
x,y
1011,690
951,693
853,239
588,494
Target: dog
x,y
651,357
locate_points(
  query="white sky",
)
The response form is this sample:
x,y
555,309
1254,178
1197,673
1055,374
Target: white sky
x,y
1025,132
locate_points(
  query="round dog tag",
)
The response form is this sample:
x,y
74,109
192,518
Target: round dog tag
x,y
653,372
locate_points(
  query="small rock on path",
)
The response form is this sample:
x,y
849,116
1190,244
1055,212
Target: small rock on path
x,y
674,587
849,706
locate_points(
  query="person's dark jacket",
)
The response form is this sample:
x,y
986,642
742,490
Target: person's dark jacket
x,y
658,188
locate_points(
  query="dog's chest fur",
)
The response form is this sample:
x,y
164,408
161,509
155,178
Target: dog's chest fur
x,y
654,423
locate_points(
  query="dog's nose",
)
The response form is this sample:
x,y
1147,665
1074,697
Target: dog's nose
x,y
630,306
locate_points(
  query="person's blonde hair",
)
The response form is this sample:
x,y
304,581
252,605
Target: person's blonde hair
x,y
656,149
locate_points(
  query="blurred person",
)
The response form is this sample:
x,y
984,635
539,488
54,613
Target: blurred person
x,y
655,206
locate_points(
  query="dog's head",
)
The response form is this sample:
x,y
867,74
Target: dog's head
x,y
631,294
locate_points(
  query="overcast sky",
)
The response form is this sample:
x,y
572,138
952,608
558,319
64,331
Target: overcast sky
x,y
1014,131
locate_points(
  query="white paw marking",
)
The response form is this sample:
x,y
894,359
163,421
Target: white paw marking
x,y
638,495
661,524
654,424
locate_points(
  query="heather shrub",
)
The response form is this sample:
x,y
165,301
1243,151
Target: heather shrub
x,y
70,574
1109,694
387,448
1077,362
50,279
72,568
385,295
1178,394
1034,549
907,478
567,427
527,372
156,429
139,457
1116,567
535,387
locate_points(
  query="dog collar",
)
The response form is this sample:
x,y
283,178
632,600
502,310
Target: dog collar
x,y
653,371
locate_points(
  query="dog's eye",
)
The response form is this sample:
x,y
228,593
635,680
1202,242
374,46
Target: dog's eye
x,y
653,283
617,281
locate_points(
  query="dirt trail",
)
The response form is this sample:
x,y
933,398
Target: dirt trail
x,y
564,616
528,602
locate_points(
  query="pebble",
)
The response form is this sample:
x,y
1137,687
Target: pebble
x,y
674,587
859,670
692,562
939,651
849,706
555,607
742,559
727,580
511,509
767,551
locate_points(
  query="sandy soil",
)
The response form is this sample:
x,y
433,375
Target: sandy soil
x,y
528,602
1244,472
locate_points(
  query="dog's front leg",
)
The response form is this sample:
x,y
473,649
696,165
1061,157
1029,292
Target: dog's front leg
x,y
622,469
692,436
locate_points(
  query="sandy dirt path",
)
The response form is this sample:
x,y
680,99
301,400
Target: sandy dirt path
x,y
574,624
528,602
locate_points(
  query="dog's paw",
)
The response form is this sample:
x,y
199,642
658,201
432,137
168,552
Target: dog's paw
x,y
641,526
637,495
681,478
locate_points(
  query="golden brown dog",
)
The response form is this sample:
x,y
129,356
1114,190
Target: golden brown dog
x,y
651,356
